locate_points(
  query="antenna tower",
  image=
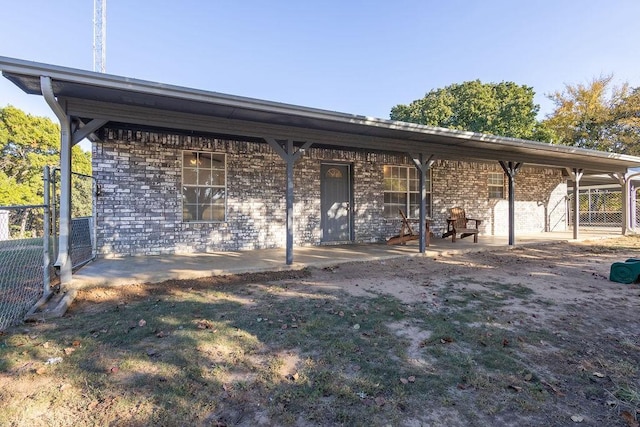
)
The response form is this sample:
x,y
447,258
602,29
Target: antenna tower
x,y
99,35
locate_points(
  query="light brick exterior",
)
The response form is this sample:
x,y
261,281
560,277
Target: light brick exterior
x,y
139,209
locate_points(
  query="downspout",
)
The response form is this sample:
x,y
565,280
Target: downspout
x,y
63,261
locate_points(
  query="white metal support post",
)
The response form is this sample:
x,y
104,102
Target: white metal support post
x,y
576,174
624,189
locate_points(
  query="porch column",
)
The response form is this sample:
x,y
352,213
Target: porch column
x,y
423,164
511,169
624,190
285,149
576,174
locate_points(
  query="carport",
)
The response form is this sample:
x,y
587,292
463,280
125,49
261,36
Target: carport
x,y
85,101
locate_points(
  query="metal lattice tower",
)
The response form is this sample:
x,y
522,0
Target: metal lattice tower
x,y
99,35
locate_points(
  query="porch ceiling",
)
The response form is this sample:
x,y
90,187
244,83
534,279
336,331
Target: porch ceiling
x,y
90,95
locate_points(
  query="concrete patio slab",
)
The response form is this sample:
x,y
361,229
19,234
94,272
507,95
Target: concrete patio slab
x,y
154,269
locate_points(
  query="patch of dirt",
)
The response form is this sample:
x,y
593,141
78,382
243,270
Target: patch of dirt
x,y
561,290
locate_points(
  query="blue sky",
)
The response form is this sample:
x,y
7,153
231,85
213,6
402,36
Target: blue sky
x,y
360,57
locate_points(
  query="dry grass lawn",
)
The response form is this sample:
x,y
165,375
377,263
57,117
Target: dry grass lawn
x,y
529,336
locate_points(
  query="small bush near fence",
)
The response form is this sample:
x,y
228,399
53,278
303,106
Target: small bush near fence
x,y
21,262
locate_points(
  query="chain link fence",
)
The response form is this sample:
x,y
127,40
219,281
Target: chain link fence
x,y
598,208
635,223
28,244
24,261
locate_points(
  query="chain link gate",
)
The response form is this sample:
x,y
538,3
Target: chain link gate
x,y
635,220
82,238
598,208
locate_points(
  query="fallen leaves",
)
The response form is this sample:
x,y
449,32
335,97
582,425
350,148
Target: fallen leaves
x,y
411,379
204,324
629,419
293,377
554,389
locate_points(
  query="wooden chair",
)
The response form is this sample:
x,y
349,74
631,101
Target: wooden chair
x,y
457,223
407,233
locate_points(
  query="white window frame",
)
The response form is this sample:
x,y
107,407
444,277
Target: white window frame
x,y
492,184
407,192
198,185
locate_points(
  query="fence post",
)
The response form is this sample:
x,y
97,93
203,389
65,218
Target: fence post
x,y
94,214
54,213
45,238
4,225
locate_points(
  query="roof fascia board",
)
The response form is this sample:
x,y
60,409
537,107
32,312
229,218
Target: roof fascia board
x,y
186,121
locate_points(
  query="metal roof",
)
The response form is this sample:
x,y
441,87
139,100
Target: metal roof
x,y
91,95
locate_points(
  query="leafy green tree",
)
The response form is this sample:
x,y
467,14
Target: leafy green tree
x,y
27,144
504,109
597,115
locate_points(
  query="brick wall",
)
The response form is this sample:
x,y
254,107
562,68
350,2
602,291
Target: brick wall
x,y
139,210
540,193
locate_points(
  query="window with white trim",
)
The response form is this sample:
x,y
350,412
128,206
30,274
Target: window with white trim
x,y
495,182
204,181
402,191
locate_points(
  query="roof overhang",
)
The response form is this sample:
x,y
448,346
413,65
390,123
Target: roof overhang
x,y
91,95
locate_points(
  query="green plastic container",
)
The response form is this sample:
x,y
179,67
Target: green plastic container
x,y
625,272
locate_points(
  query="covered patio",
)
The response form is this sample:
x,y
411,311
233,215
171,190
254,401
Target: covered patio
x,y
85,102
156,269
